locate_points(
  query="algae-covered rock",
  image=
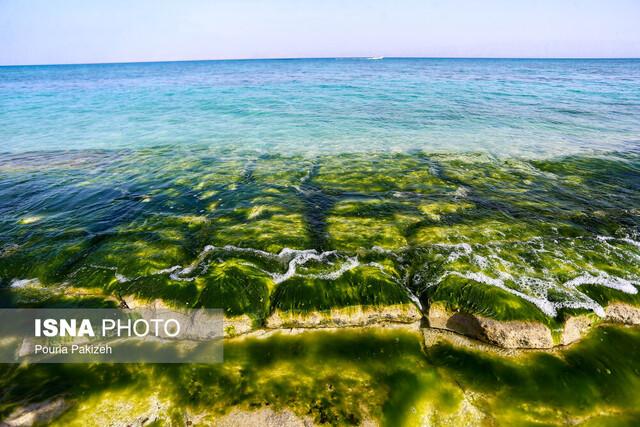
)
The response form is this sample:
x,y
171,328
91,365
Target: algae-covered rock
x,y
345,317
379,173
269,219
503,238
236,287
363,285
580,381
353,224
505,334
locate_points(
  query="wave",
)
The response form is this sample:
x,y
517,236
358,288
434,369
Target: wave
x,y
515,267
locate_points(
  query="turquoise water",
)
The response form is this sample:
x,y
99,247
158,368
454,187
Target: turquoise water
x,y
504,107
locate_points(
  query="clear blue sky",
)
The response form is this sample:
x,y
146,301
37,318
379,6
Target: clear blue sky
x,y
85,31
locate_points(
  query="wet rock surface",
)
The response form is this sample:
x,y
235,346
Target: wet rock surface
x,y
346,317
623,313
40,413
505,334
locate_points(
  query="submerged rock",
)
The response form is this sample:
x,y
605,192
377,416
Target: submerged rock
x,y
36,413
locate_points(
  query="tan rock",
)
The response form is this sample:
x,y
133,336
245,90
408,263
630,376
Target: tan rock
x,y
433,337
622,313
134,302
237,325
575,328
345,317
263,417
505,334
517,334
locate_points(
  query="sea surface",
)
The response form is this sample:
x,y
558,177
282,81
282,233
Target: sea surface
x,y
505,187
522,107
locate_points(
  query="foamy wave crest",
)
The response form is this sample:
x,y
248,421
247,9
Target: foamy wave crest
x,y
24,283
291,258
521,273
604,280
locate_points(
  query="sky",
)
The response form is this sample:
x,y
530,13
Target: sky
x,y
94,31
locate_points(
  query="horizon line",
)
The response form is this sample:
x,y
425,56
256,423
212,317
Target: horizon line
x,y
326,58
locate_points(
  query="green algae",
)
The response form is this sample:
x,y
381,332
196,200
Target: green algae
x,y
270,231
365,285
236,286
351,232
605,296
463,295
553,234
379,173
349,376
586,380
381,376
282,171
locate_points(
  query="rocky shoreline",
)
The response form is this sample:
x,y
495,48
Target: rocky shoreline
x,y
517,334
500,334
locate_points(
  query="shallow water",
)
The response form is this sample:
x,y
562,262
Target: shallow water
x,y
507,188
311,233
413,174
347,377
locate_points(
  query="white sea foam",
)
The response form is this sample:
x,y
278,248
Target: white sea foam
x,y
545,306
526,284
481,261
24,283
299,258
631,242
121,279
350,264
603,280
292,257
459,250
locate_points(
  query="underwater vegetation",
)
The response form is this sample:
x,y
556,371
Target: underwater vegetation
x,y
506,238
351,377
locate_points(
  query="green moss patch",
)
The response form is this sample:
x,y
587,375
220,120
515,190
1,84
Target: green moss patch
x,y
364,285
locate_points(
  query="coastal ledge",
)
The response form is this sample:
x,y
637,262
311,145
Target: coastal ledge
x,y
336,318
500,334
506,337
523,334
345,317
